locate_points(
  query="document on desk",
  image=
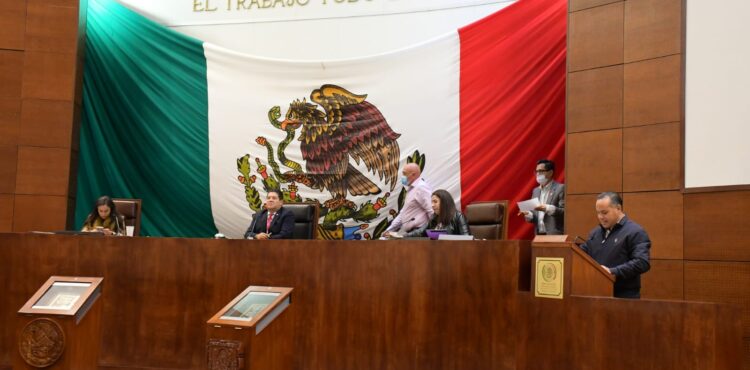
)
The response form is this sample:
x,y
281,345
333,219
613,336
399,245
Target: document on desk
x,y
529,205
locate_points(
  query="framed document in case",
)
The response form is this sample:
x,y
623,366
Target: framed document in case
x,y
64,295
58,327
255,307
249,306
234,338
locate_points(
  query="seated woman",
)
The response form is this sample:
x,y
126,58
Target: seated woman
x,y
104,218
446,217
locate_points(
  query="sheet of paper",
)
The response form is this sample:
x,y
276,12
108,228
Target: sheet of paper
x,y
528,205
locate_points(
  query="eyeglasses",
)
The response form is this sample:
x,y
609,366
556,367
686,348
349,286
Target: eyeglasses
x,y
542,171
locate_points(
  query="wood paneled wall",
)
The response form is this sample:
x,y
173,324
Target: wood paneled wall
x,y
624,133
410,304
41,55
355,305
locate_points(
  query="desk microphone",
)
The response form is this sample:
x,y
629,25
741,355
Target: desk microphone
x,y
252,224
579,238
117,223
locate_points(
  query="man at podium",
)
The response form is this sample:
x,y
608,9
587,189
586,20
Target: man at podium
x,y
620,245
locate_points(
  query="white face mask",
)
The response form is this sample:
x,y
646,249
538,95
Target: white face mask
x,y
541,179
404,180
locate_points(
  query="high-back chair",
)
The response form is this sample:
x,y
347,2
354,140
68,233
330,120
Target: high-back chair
x,y
130,209
305,219
488,220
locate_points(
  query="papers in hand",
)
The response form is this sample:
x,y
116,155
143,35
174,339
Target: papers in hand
x,y
395,235
529,205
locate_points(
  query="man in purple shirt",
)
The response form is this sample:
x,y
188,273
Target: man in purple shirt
x,y
417,209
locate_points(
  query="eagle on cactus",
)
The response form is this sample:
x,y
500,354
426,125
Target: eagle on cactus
x,y
348,128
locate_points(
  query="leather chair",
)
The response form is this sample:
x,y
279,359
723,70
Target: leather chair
x,y
130,209
306,216
488,220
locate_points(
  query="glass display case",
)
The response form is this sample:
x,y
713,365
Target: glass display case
x,y
58,327
234,339
64,295
255,307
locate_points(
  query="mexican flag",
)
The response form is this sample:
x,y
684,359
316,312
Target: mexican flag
x,y
201,133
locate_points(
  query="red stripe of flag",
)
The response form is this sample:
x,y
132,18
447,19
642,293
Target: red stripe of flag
x,y
512,103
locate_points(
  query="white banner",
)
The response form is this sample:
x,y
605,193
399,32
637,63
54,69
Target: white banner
x,y
249,147
204,12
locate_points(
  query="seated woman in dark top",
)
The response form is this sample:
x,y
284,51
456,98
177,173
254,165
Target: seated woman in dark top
x,y
104,218
446,217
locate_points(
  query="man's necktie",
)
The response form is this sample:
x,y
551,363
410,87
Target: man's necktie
x,y
269,220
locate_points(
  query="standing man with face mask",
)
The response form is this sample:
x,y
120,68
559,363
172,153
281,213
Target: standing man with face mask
x,y
417,210
620,245
549,217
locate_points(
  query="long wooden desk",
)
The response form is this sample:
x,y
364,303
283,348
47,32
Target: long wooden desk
x,y
357,305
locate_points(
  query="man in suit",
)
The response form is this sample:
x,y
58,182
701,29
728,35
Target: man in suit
x,y
274,222
549,217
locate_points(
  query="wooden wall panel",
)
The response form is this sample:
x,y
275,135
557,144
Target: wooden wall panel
x,y
76,129
595,37
10,118
11,73
43,171
580,215
595,99
47,123
653,91
372,305
715,228
8,163
660,213
49,76
594,162
645,334
653,28
39,213
12,24
652,157
664,280
576,5
6,214
39,60
51,27
724,282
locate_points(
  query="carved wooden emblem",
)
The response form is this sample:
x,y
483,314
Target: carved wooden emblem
x,y
41,342
225,354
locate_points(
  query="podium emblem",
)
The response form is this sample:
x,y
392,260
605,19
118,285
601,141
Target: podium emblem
x,y
41,342
225,355
549,277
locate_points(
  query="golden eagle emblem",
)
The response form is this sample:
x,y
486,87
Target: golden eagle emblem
x,y
348,128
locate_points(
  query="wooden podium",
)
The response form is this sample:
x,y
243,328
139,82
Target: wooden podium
x,y
563,268
58,328
234,333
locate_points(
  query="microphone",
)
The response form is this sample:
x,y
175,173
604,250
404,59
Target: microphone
x,y
252,224
579,238
404,223
117,224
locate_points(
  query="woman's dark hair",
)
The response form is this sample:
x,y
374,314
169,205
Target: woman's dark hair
x,y
447,207
113,215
